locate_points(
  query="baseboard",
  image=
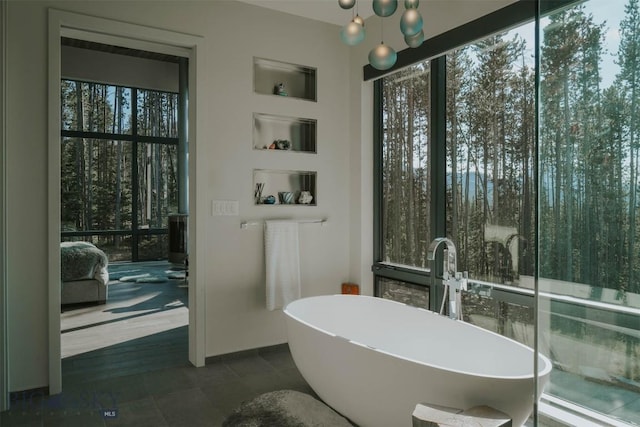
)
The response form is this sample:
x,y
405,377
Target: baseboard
x,y
246,353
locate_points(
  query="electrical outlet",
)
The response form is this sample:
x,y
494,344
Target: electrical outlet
x,y
224,207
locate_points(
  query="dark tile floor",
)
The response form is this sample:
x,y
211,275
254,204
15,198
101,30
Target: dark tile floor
x,y
179,395
148,381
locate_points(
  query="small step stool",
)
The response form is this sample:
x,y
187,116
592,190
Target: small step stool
x,y
426,415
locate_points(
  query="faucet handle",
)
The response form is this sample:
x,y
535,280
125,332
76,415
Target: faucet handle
x,y
461,280
464,280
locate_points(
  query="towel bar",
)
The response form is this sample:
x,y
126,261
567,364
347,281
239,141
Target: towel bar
x,y
321,221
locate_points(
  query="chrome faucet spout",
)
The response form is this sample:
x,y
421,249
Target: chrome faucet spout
x,y
453,280
451,261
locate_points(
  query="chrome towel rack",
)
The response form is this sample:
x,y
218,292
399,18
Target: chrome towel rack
x,y
247,224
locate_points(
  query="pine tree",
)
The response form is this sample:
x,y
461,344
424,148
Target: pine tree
x,y
629,80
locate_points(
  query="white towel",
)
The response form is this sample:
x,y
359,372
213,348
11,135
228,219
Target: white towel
x,y
282,262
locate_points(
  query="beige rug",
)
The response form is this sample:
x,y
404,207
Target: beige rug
x,y
143,278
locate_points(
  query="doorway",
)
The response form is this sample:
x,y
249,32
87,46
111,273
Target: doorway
x,y
123,130
91,29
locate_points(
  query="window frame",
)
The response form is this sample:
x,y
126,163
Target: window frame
x,y
136,232
434,50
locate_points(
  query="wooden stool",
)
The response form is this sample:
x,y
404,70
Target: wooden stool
x,y
426,415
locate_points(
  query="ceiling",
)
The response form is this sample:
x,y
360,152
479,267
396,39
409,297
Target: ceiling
x,y
443,14
320,10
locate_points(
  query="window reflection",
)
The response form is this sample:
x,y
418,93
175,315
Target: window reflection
x,y
588,205
490,154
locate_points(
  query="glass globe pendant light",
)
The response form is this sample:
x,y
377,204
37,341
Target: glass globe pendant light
x,y
411,22
358,19
352,33
382,57
414,40
385,8
346,4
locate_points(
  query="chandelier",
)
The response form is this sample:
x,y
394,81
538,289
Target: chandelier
x,y
383,57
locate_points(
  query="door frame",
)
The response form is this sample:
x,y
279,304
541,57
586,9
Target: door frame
x,y
4,306
102,30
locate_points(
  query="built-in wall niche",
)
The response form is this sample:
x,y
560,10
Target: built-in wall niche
x,y
284,187
281,133
284,79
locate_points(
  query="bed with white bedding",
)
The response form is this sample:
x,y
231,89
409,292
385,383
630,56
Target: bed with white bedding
x,y
84,273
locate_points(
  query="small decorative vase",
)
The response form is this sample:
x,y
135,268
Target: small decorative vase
x,y
286,197
279,90
269,200
283,144
305,197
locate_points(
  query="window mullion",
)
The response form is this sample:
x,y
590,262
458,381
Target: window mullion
x,y
438,165
134,176
377,171
438,127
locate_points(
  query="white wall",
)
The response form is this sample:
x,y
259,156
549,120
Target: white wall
x,y
236,318
234,273
27,196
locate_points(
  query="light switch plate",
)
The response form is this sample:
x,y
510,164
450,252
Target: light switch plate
x,y
224,208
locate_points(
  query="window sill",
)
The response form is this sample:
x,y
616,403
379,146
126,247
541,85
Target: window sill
x,y
554,411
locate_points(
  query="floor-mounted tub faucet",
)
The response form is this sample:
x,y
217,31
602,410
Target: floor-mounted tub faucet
x,y
452,279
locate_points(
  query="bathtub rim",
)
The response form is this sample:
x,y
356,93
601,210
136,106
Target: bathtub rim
x,y
541,372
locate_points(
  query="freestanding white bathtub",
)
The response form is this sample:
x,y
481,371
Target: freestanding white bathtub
x,y
373,360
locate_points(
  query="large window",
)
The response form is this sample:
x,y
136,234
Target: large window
x,y
474,167
405,171
589,235
490,152
119,173
486,200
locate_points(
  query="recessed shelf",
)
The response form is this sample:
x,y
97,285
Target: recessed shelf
x,y
297,81
276,182
298,134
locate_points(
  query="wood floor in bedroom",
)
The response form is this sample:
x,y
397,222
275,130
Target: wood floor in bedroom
x,y
155,311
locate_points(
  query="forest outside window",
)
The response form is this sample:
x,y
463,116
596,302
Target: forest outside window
x,y
403,179
405,170
490,152
119,168
486,168
586,207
